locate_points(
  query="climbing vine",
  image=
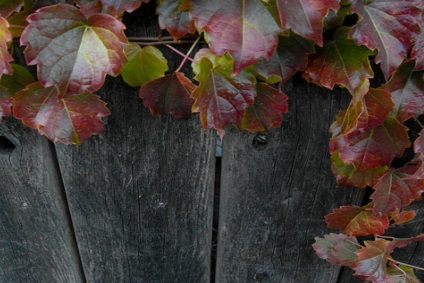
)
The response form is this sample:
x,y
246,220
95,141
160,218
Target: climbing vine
x,y
254,47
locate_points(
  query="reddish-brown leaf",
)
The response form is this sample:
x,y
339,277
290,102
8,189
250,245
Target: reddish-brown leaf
x,y
70,119
236,27
5,57
401,243
388,26
399,217
174,18
168,95
266,112
71,51
418,51
397,189
337,249
357,221
372,260
5,103
407,88
377,147
340,62
113,7
7,8
305,17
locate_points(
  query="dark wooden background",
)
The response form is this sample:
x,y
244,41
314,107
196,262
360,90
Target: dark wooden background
x,y
140,202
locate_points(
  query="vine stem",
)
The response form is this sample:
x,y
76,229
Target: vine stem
x,y
409,265
188,54
419,123
179,52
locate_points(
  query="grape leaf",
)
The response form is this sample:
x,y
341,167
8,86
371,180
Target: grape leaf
x,y
347,174
396,189
372,260
388,26
357,221
364,112
113,7
174,18
5,103
340,62
236,28
5,57
168,95
417,51
69,119
370,149
220,97
401,274
18,80
71,51
305,17
8,7
143,65
399,217
401,243
266,111
337,249
407,88
290,57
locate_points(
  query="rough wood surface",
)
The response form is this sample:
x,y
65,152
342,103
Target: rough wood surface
x,y
274,195
36,241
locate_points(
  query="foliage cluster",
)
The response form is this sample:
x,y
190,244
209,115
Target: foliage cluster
x,y
252,45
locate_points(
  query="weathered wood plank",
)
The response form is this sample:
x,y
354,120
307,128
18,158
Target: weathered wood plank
x,y
36,240
274,195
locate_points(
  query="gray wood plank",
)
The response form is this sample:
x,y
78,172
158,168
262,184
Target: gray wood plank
x,y
274,195
36,241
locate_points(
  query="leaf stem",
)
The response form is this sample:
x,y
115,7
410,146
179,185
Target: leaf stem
x,y
188,54
419,123
179,52
405,264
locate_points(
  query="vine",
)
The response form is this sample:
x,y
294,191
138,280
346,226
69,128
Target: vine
x,y
252,45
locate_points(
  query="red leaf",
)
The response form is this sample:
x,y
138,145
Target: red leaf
x,y
168,95
236,28
175,19
372,260
337,249
399,217
397,189
357,221
113,7
5,57
370,149
407,88
365,112
70,119
340,62
418,51
221,98
78,52
388,26
5,103
266,111
305,17
401,243
10,7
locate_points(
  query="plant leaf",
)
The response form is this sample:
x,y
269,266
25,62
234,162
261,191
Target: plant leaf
x,y
266,111
417,51
337,249
388,26
372,260
220,97
357,221
401,243
113,7
401,274
18,80
71,51
5,103
340,62
143,65
370,149
5,57
8,7
168,95
407,88
397,189
305,17
399,217
236,28
174,19
70,119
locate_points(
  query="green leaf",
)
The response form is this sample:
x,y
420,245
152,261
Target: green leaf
x,y
243,28
8,7
388,26
402,274
221,98
143,65
357,221
71,51
168,95
18,80
340,62
407,88
69,119
174,18
266,112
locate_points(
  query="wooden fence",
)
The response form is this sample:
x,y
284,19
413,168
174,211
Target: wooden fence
x,y
139,203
